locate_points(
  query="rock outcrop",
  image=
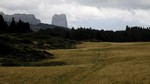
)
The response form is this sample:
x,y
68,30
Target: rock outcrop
x,y
60,20
24,17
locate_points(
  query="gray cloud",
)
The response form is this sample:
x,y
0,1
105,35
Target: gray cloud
x,y
18,4
125,4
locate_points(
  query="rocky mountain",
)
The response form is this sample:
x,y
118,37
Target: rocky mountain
x,y
60,20
24,17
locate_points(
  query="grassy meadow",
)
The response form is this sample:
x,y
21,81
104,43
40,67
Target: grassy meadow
x,y
89,63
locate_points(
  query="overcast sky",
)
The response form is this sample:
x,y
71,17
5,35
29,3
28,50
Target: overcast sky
x,y
98,14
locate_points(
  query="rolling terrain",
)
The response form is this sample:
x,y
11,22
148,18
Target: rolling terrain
x,y
89,63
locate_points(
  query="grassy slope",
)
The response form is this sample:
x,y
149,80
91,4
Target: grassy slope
x,y
90,63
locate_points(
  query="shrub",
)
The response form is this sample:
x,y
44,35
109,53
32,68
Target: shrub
x,y
5,48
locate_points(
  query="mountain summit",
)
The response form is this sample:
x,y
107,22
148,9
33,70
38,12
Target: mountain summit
x,y
60,20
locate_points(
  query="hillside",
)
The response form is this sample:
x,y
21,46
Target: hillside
x,y
24,49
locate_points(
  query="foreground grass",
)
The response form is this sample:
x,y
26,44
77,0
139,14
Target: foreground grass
x,y
91,62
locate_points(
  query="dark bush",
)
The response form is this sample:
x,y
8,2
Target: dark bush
x,y
24,58
5,48
31,55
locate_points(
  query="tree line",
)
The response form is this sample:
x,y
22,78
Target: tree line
x,y
14,27
130,34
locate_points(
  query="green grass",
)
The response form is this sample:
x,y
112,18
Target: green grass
x,y
89,63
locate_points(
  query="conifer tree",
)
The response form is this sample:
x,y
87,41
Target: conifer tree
x,y
3,25
12,26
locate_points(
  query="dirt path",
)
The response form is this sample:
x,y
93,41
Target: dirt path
x,y
82,74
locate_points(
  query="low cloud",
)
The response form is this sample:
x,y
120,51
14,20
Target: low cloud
x,y
124,4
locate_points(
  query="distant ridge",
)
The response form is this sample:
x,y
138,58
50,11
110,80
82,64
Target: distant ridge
x,y
24,17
